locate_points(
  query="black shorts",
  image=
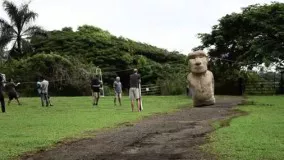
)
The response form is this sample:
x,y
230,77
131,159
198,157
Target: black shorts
x,y
1,96
12,95
96,89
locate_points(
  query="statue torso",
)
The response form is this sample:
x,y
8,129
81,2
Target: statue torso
x,y
202,85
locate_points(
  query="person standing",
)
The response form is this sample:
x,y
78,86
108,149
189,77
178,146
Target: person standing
x,y
44,92
11,91
2,101
95,86
117,90
38,87
134,94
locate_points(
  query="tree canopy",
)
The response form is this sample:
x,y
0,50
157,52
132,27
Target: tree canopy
x,y
252,37
114,55
18,31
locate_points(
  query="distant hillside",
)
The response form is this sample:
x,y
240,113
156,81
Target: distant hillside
x,y
109,52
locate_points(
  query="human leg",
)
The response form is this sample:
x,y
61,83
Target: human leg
x,y
45,98
50,104
137,97
98,97
119,98
42,99
2,103
132,98
115,95
11,97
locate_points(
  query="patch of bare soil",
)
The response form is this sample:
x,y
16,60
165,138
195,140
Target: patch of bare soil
x,y
160,137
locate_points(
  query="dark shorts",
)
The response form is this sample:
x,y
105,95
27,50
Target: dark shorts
x,y
96,89
12,95
1,96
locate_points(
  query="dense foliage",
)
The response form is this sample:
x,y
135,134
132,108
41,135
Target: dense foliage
x,y
69,58
116,56
246,39
68,76
253,37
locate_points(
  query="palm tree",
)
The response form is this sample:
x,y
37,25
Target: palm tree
x,y
15,36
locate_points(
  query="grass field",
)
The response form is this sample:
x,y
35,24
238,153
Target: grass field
x,y
256,136
30,126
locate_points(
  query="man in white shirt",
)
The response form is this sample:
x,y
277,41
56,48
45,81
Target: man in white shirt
x,y
44,92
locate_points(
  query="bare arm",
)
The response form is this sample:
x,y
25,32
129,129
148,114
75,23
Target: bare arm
x,y
16,84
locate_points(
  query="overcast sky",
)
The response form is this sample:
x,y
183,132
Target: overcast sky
x,y
170,24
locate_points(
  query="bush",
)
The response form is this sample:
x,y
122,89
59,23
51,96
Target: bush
x,y
67,76
173,85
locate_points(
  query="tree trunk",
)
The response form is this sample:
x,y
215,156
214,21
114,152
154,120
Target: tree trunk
x,y
19,44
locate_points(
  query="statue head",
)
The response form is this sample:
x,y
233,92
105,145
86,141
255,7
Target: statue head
x,y
198,61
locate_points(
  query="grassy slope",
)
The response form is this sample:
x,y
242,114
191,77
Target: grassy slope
x,y
257,136
30,126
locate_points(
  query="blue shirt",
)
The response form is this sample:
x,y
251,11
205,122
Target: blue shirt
x,y
117,86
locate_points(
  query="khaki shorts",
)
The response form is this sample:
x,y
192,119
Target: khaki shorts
x,y
134,93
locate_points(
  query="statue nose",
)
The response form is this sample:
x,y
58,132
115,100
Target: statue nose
x,y
197,63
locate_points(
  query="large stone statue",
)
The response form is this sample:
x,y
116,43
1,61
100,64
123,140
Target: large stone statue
x,y
200,80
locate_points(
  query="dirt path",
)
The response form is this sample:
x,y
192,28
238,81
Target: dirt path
x,y
161,137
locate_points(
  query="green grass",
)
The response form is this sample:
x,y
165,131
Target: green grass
x,y
256,136
30,127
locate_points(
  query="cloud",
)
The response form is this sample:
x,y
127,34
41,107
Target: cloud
x,y
170,24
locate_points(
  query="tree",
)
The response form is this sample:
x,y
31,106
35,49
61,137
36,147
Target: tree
x,y
18,32
67,75
252,37
114,55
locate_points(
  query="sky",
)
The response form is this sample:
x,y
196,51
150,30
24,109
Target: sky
x,y
169,24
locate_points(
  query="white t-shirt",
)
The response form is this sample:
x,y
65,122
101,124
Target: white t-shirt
x,y
44,86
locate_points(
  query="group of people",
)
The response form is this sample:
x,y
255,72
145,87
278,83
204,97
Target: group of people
x,y
10,88
96,84
134,92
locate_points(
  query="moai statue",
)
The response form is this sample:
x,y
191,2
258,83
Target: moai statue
x,y
200,80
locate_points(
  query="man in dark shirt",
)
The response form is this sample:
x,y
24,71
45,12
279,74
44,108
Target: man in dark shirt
x,y
1,93
135,80
11,91
95,86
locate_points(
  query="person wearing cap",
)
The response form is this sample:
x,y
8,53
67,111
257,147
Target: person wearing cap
x,y
117,90
135,80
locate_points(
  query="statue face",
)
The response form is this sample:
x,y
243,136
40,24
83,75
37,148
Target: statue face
x,y
198,62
